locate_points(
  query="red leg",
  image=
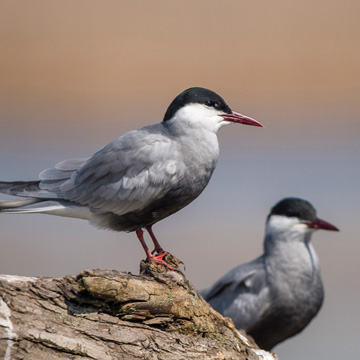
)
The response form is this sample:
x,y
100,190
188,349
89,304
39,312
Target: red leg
x,y
140,235
158,259
158,247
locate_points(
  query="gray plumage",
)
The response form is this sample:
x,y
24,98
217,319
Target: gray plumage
x,y
275,296
140,178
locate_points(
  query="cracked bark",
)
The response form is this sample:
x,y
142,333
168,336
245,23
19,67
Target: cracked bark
x,y
106,315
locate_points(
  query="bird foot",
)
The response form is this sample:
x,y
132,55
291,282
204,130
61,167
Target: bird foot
x,y
158,251
159,260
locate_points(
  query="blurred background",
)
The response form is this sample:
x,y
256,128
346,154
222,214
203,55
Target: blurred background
x,y
77,75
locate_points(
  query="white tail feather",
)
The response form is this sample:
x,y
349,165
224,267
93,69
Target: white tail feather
x,y
35,210
51,207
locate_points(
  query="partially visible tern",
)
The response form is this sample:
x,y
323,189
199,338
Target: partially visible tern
x,y
140,178
275,296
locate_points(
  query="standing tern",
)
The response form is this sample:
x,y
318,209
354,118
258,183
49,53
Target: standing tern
x,y
275,296
140,178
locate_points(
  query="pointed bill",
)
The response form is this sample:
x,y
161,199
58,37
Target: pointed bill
x,y
321,224
241,119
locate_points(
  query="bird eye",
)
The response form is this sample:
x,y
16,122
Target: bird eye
x,y
213,104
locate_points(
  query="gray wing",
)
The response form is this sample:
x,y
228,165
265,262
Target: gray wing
x,y
124,176
48,187
242,294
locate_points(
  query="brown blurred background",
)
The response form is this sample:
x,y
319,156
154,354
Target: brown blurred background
x,y
75,75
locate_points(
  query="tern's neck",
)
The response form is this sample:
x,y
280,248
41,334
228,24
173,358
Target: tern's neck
x,y
277,240
290,252
202,138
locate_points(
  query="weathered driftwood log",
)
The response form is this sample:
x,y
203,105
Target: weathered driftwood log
x,y
105,314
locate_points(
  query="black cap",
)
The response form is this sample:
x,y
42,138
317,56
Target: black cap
x,y
295,207
197,95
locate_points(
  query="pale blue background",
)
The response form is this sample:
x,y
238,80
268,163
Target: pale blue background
x,y
73,80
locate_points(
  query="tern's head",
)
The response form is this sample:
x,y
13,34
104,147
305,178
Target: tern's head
x,y
199,107
294,218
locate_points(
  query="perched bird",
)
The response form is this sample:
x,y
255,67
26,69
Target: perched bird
x,y
140,178
275,296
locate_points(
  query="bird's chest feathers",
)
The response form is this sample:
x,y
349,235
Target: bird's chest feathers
x,y
200,152
294,273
